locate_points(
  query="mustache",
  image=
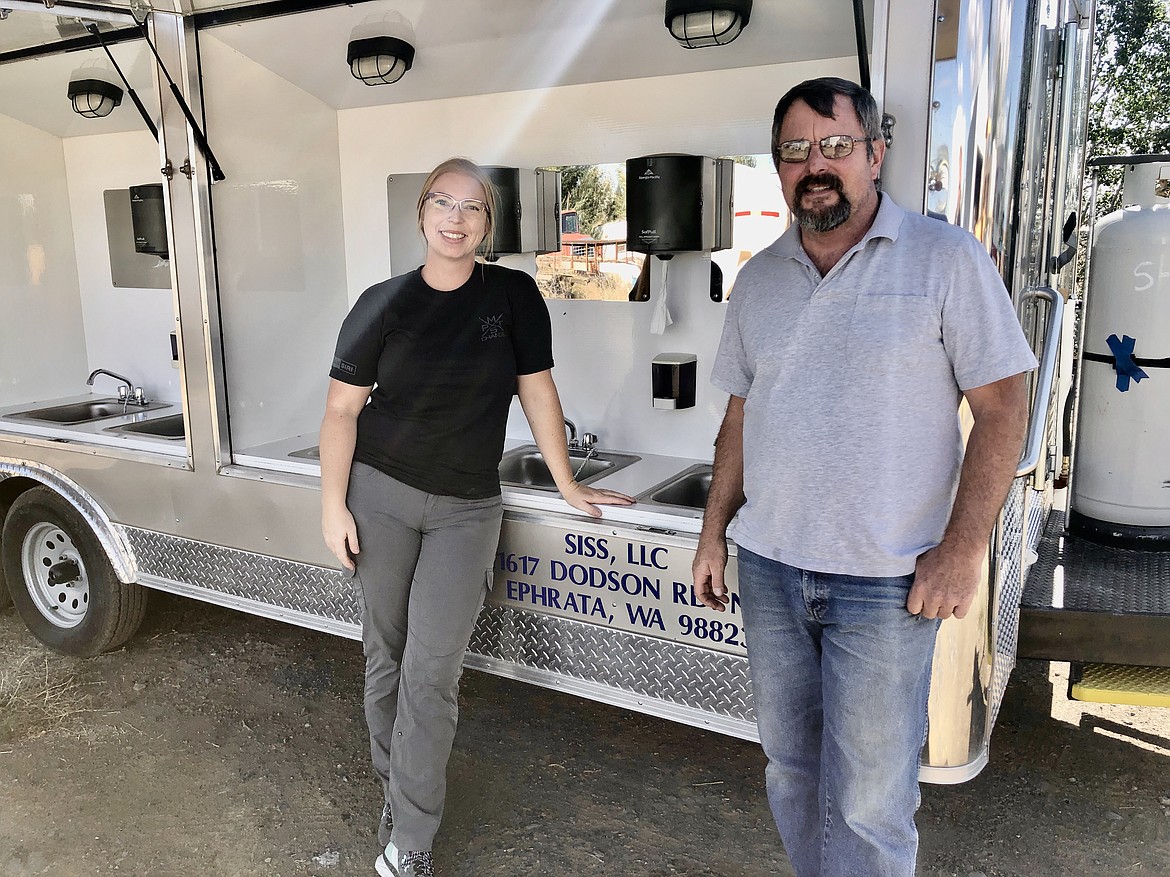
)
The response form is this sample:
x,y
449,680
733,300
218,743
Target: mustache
x,y
822,179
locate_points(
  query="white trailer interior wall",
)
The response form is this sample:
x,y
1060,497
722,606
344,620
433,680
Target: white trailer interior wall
x,y
39,273
127,330
603,349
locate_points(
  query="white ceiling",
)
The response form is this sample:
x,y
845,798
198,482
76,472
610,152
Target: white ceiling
x,y
480,47
35,90
463,47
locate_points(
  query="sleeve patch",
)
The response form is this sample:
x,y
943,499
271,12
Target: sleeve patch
x,y
341,365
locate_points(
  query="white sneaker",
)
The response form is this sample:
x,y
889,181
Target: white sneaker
x,y
409,863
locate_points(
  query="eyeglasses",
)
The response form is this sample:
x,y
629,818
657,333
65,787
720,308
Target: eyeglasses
x,y
446,203
836,146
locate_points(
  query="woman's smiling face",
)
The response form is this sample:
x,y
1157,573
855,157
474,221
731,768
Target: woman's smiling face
x,y
454,233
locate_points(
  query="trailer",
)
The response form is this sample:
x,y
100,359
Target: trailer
x,y
190,231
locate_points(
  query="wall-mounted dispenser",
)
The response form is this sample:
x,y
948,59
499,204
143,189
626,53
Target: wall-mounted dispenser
x,y
149,219
527,215
673,377
527,210
678,204
126,224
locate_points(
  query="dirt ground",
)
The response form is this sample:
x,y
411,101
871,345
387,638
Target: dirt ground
x,y
221,745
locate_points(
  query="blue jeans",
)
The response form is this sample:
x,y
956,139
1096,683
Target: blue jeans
x,y
841,674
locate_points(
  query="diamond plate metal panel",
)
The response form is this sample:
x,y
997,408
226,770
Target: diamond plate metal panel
x,y
1075,574
1039,505
1010,572
638,665
641,665
313,590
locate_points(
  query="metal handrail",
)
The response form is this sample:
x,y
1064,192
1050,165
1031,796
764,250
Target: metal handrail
x,y
1034,446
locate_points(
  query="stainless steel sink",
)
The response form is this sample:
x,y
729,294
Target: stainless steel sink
x,y
81,412
313,453
525,467
169,427
688,489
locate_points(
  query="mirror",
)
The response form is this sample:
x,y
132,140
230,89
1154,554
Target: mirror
x,y
594,263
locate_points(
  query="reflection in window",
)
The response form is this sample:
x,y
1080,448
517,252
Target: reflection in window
x,y
594,264
760,217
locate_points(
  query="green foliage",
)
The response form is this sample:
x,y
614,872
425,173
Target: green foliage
x,y
597,201
1128,112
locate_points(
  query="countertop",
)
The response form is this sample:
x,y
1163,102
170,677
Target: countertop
x,y
648,471
94,432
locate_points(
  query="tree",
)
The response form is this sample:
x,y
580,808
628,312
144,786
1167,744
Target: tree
x,y
587,190
1131,80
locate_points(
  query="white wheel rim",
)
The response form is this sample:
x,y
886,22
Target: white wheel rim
x,y
63,604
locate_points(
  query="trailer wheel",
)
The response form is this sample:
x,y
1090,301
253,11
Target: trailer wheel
x,y
5,597
61,581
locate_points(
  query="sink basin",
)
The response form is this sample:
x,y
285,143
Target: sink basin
x,y
524,466
169,427
313,453
689,488
91,409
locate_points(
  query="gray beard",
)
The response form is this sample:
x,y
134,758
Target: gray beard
x,y
824,218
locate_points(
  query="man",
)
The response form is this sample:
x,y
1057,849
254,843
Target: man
x,y
848,345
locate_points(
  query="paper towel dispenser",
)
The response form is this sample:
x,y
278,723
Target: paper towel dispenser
x,y
149,220
678,203
527,210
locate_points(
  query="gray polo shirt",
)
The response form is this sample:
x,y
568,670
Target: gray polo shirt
x,y
852,384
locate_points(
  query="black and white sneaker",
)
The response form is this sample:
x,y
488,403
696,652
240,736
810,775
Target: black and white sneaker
x,y
385,826
405,863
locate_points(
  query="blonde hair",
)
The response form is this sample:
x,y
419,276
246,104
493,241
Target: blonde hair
x,y
467,168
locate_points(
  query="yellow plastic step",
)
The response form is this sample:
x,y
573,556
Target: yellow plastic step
x,y
1118,683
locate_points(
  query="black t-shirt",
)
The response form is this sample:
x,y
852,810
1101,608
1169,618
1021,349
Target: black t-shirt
x,y
443,366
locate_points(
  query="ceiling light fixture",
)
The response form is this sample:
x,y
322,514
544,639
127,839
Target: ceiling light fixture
x,y
94,98
93,29
379,60
699,23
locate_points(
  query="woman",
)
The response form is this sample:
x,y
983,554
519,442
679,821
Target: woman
x,y
438,353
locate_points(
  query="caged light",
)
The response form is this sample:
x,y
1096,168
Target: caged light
x,y
94,98
699,23
379,60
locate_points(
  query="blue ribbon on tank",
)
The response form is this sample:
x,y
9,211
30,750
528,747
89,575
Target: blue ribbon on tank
x,y
1123,364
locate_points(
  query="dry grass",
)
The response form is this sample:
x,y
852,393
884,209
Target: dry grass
x,y
38,694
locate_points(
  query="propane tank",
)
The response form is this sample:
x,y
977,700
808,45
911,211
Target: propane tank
x,y
1121,474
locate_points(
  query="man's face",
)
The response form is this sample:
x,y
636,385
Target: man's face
x,y
824,193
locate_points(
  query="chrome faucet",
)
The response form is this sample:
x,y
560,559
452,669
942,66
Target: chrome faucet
x,y
127,392
572,432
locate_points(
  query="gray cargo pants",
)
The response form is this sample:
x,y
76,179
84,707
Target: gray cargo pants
x,y
424,569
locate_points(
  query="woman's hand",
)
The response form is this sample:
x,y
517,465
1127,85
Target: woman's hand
x,y
587,499
338,437
340,532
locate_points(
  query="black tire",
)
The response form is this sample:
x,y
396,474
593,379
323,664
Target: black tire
x,y
61,581
5,597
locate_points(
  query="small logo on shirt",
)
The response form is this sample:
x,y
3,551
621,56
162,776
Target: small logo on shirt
x,y
493,327
341,365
